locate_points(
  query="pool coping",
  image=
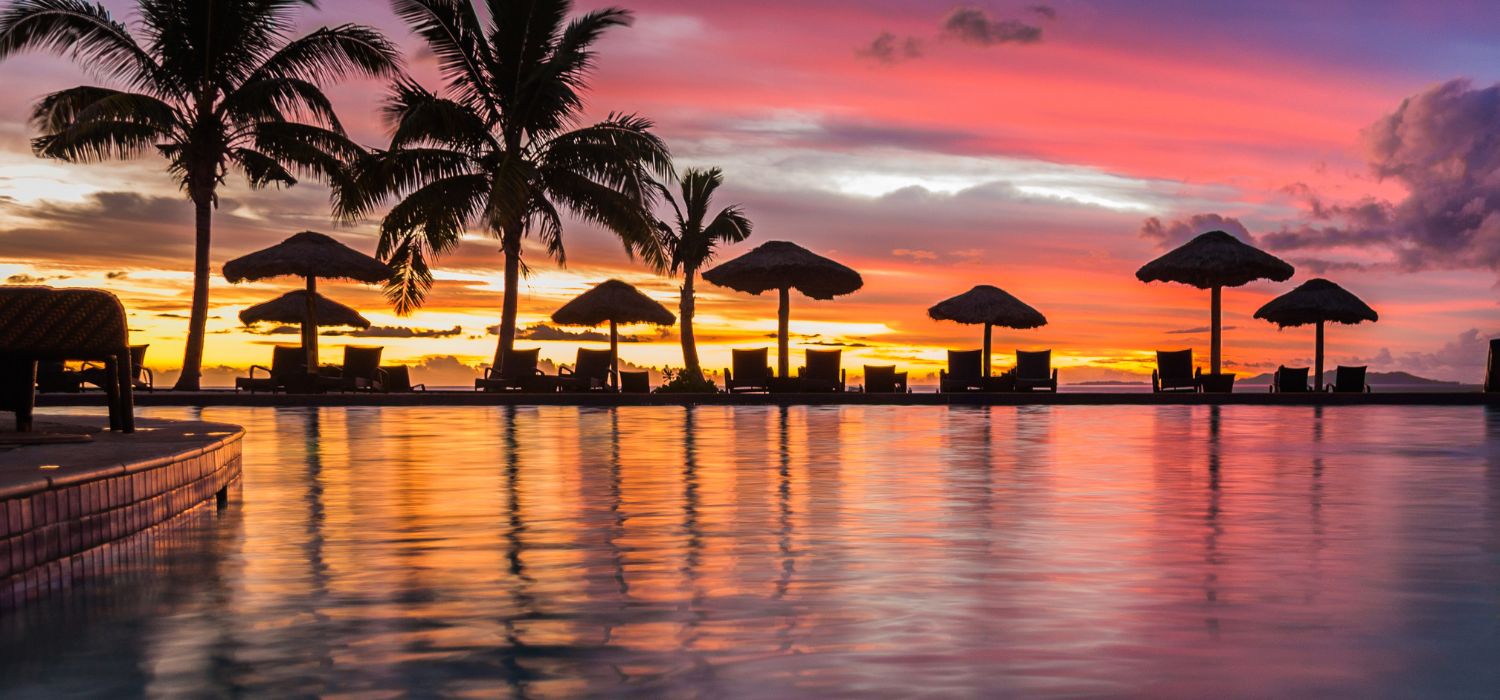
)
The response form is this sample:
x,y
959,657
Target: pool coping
x,y
472,398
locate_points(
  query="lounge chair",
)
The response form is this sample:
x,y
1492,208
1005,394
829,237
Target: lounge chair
x,y
965,372
1349,380
517,373
635,382
1290,380
1034,371
884,379
54,377
142,378
361,371
288,367
397,380
823,371
591,372
750,371
1175,372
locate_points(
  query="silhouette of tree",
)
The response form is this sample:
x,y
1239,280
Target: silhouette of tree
x,y
216,85
497,150
690,242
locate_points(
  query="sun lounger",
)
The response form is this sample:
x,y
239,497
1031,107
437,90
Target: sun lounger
x,y
1290,380
1349,380
750,371
884,379
965,372
518,372
1034,371
823,371
1175,372
590,372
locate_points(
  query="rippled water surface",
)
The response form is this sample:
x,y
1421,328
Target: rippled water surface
x,y
830,551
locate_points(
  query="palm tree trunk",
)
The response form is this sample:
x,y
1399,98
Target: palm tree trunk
x,y
192,357
691,367
512,250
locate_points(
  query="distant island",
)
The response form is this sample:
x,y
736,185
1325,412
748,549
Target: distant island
x,y
1110,382
1373,379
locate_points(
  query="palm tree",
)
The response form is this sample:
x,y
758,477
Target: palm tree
x,y
216,85
496,150
691,241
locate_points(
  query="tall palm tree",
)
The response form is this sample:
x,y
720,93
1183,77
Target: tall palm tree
x,y
498,151
691,241
216,85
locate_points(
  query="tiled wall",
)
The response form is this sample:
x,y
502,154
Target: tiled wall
x,y
59,537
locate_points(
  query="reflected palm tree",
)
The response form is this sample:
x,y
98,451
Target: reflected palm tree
x,y
516,674
784,522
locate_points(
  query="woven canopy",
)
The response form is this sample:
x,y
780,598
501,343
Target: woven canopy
x,y
292,308
988,304
779,264
1314,301
1215,259
307,254
613,301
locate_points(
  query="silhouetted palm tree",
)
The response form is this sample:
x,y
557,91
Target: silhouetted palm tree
x,y
216,86
497,151
691,241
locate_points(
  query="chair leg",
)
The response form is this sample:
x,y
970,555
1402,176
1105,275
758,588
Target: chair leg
x,y
124,377
112,392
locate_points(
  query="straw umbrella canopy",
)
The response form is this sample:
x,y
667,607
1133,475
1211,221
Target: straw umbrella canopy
x,y
291,308
990,306
613,302
1213,261
1317,301
309,255
785,266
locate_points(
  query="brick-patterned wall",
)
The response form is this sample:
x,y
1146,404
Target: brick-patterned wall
x,y
60,536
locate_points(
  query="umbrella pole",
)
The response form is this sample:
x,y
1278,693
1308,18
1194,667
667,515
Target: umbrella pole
x,y
986,350
310,326
1216,344
783,317
614,356
1318,363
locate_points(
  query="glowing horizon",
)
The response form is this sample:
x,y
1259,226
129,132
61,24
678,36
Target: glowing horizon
x,y
930,162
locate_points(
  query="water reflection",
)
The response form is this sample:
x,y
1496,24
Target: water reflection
x,y
800,551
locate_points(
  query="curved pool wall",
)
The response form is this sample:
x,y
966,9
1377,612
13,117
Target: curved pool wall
x,y
68,513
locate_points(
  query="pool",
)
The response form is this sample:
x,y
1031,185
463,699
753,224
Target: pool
x,y
771,552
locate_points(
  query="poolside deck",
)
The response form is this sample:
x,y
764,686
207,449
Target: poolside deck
x,y
1250,397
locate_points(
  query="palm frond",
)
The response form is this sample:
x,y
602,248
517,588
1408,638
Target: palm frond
x,y
453,32
98,140
260,169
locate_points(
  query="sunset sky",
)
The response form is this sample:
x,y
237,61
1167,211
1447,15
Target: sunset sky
x,y
1049,150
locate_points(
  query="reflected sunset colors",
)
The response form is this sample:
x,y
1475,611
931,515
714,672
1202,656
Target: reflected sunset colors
x,y
772,552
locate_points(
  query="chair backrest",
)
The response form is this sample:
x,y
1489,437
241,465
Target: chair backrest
x,y
1349,379
880,379
519,364
362,362
1175,364
1034,365
823,365
287,361
61,324
750,366
397,379
592,364
965,364
1291,379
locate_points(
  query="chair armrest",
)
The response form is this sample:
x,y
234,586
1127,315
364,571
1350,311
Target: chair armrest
x,y
564,371
799,372
419,387
488,372
728,377
1054,375
1155,380
267,370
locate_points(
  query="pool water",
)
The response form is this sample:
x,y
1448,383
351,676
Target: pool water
x,y
769,552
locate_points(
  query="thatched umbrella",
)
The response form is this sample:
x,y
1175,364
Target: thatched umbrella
x,y
991,306
1317,301
785,266
308,255
292,308
1213,261
613,302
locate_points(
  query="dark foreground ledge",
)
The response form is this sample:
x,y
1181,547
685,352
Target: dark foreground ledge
x,y
72,512
471,398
